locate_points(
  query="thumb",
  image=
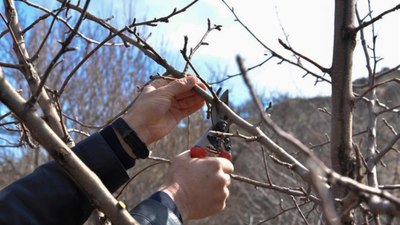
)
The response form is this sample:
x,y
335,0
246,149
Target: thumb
x,y
180,86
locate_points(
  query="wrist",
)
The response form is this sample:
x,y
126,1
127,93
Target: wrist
x,y
168,202
175,193
124,145
140,129
129,139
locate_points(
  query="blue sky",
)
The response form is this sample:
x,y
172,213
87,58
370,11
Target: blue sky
x,y
308,24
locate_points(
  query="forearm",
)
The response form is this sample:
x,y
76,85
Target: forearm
x,y
48,195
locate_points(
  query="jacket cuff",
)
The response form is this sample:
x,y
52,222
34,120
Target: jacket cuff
x,y
151,212
166,200
111,138
100,158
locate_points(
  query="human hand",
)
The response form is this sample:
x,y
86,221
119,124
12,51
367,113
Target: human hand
x,y
161,105
199,187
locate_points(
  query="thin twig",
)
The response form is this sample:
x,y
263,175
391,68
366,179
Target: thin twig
x,y
134,176
285,190
238,135
200,43
164,19
18,48
266,165
386,149
36,55
373,20
5,115
75,69
280,213
239,74
272,52
9,65
396,80
64,21
63,49
299,210
323,69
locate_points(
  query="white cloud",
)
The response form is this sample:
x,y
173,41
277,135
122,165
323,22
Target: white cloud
x,y
309,24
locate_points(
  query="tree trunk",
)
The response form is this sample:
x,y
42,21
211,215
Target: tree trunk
x,y
342,93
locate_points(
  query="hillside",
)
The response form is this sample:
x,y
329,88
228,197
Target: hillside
x,y
307,119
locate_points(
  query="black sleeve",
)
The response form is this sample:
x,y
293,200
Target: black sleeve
x,y
48,196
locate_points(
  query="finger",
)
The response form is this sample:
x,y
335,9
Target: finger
x,y
227,165
227,179
179,86
155,84
189,102
190,110
186,94
201,85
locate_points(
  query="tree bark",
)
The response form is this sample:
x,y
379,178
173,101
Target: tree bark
x,y
31,75
342,93
86,180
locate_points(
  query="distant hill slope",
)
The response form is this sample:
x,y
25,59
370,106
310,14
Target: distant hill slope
x,y
309,121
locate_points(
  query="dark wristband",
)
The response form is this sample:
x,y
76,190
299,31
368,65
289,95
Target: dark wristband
x,y
130,137
112,140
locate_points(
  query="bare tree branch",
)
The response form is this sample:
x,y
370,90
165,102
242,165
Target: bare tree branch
x,y
299,210
63,50
30,72
64,21
274,53
386,149
79,172
373,20
200,43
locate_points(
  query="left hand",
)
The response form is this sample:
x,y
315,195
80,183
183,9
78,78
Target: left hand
x,y
161,105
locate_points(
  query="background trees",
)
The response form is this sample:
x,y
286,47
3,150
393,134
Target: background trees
x,y
297,140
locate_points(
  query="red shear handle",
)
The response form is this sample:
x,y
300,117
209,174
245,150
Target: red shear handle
x,y
198,152
225,155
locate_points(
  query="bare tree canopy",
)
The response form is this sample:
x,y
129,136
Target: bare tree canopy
x,y
67,72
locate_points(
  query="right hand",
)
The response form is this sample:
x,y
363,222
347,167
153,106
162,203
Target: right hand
x,y
199,187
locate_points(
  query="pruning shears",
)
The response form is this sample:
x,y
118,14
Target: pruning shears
x,y
213,142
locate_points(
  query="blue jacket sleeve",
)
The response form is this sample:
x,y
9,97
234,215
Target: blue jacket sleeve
x,y
48,196
152,212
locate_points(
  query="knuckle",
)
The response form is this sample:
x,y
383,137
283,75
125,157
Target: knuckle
x,y
223,196
180,82
220,182
214,164
226,193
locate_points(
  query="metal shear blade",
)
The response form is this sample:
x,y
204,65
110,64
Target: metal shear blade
x,y
216,143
